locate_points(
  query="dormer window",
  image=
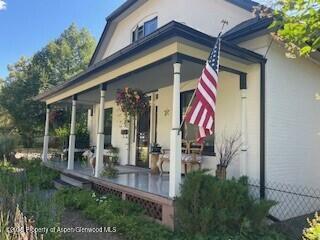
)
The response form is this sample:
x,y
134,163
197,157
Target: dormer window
x,y
144,30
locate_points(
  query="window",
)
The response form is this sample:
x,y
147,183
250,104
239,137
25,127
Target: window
x,y
144,30
107,126
150,26
190,131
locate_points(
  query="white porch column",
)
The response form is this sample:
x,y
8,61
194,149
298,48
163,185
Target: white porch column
x,y
244,132
175,136
100,134
89,121
46,136
72,138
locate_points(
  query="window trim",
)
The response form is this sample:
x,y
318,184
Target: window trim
x,y
204,152
134,34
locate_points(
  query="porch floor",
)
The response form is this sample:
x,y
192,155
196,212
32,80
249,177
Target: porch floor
x,y
129,176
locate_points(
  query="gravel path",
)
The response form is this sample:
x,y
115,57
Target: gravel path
x,y
74,219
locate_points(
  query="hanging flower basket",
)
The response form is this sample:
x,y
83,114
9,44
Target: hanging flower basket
x,y
133,102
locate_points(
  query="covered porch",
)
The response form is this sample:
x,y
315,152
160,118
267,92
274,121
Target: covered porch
x,y
165,65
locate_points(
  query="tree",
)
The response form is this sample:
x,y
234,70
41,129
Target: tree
x,y
63,58
5,118
55,63
296,22
17,99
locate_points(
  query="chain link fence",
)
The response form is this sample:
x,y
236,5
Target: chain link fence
x,y
294,204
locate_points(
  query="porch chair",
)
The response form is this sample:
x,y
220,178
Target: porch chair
x,y
194,156
191,154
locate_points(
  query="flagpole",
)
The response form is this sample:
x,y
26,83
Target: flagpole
x,y
224,22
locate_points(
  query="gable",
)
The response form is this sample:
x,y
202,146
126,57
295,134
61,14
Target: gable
x,y
205,17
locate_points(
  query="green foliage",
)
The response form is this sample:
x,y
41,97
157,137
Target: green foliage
x,y
57,62
297,23
127,217
62,128
16,99
7,145
24,185
64,57
129,220
208,206
313,231
4,225
132,102
38,175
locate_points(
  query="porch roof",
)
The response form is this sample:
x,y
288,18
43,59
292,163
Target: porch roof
x,y
169,31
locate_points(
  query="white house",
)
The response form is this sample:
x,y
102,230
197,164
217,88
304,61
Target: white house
x,y
267,97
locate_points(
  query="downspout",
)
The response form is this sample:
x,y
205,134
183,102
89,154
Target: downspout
x,y
262,129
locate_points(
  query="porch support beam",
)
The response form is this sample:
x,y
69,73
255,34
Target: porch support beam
x,y
46,136
175,136
100,134
72,138
244,124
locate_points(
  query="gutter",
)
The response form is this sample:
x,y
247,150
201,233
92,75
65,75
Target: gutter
x,y
262,130
260,27
172,29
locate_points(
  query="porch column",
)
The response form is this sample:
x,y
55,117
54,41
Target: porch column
x,y
175,136
72,138
89,121
100,134
46,136
244,133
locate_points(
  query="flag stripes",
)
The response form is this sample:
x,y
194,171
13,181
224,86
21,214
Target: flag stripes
x,y
203,107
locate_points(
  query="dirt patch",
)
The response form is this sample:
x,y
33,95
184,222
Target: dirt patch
x,y
75,220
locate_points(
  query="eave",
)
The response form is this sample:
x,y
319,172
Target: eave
x,y
170,30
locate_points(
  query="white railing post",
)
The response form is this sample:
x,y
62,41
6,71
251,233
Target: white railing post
x,y
175,136
72,138
244,133
100,134
46,136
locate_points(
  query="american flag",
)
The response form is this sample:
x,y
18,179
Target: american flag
x,y
202,110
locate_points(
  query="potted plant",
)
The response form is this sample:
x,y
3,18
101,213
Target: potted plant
x,y
228,148
132,102
155,148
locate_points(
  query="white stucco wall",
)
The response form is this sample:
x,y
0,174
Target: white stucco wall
x,y
203,15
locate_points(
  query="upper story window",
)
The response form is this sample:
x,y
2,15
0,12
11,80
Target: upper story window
x,y
144,30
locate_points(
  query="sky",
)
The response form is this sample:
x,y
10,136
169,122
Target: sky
x,y
27,26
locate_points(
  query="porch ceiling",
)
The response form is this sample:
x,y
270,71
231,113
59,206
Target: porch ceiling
x,y
151,58
149,79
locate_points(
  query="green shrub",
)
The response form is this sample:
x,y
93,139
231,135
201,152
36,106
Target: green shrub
x,y
24,185
313,230
37,175
127,217
208,206
7,145
130,221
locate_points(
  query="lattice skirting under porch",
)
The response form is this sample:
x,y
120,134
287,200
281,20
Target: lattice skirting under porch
x,y
154,209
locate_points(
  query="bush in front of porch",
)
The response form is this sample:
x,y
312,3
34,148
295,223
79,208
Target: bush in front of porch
x,y
110,211
209,208
130,222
